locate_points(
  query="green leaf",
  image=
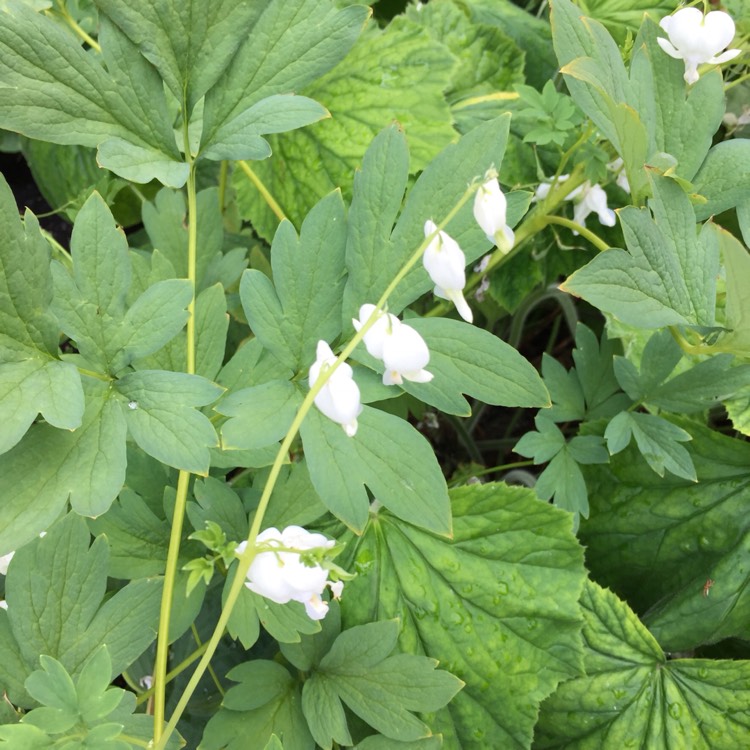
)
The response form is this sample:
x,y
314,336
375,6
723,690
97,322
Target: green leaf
x,y
497,605
86,466
341,466
375,249
630,694
724,177
488,59
55,91
190,43
62,576
258,416
381,689
217,502
293,43
265,702
669,275
653,539
138,539
705,384
24,737
32,380
531,34
362,100
467,359
27,329
33,386
657,439
163,420
240,137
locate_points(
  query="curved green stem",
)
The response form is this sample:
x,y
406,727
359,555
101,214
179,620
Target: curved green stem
x,y
246,559
263,190
77,29
594,239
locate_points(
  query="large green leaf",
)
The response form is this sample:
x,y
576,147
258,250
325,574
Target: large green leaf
x,y
53,90
61,576
32,379
86,466
669,275
657,542
623,16
190,43
389,456
293,43
737,265
497,605
630,695
406,85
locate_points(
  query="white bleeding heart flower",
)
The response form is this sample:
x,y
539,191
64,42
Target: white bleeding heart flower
x,y
697,39
445,262
339,398
403,351
592,199
282,575
490,208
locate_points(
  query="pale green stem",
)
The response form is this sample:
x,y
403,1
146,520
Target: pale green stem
x,y
594,239
179,669
162,642
263,190
77,29
183,480
246,559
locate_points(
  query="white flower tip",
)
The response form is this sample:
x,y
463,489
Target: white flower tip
x,y
429,227
3,604
420,376
462,307
240,548
316,607
337,588
350,428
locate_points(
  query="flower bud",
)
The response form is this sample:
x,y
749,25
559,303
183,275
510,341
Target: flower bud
x,y
490,208
339,399
445,262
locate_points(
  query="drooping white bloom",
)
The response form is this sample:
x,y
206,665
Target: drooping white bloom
x,y
588,199
490,208
339,398
4,562
696,39
403,351
282,576
446,263
592,199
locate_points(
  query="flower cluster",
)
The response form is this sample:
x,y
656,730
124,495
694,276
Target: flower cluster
x,y
288,569
697,39
402,350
